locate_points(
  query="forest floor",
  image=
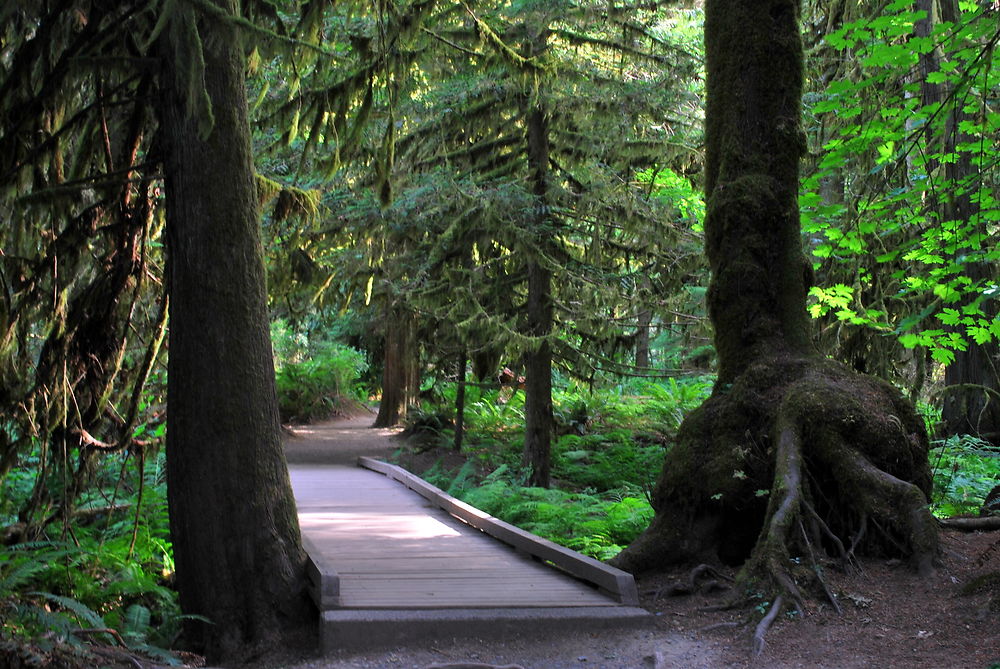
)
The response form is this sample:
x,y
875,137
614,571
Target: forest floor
x,y
891,617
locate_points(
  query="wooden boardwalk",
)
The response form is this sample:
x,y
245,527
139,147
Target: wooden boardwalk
x,y
383,551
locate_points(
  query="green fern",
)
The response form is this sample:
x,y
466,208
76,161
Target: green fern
x,y
19,575
965,469
83,613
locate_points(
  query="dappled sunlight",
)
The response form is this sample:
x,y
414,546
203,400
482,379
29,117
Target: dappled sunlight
x,y
401,526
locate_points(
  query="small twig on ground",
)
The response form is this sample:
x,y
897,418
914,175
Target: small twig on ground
x,y
720,626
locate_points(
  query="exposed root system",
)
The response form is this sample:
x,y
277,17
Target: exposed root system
x,y
797,467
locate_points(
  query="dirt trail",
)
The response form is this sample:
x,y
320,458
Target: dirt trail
x,y
339,442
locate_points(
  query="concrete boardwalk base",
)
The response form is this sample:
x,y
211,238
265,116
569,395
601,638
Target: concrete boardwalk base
x,y
388,565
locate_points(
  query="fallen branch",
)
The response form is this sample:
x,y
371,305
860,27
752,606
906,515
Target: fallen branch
x,y
985,524
692,585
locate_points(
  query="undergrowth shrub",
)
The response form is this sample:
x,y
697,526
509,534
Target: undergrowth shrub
x,y
599,525
316,378
101,571
605,461
608,449
965,469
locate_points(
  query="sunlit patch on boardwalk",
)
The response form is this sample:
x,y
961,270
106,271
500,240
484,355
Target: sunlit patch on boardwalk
x,y
376,526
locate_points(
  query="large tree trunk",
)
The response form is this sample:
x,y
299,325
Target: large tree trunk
x,y
538,380
400,370
642,340
538,360
972,400
792,454
233,522
972,392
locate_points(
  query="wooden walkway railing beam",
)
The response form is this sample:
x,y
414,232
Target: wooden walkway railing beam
x,y
615,582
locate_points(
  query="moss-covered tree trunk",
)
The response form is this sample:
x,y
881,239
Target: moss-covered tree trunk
x,y
642,340
793,455
233,521
400,370
972,381
538,360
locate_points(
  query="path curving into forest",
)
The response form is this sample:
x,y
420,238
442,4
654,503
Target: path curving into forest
x,y
339,442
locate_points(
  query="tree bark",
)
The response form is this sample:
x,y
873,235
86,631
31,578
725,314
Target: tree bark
x,y
391,405
757,294
972,380
642,337
792,453
233,522
400,373
538,421
463,363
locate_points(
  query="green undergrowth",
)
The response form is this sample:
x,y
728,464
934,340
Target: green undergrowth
x,y
316,377
109,571
596,524
608,449
965,469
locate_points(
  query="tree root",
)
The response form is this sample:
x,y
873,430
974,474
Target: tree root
x,y
899,502
721,626
856,540
819,572
842,459
695,582
772,549
757,643
790,510
845,557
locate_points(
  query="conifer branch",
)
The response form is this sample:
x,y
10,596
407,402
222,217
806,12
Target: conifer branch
x,y
501,47
210,9
453,45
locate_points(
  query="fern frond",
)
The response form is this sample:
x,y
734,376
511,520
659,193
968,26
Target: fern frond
x,y
19,575
83,612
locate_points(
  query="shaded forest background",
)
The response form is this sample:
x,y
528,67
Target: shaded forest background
x,y
486,217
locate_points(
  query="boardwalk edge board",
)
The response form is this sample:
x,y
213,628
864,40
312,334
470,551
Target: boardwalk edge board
x,y
323,582
618,583
369,629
